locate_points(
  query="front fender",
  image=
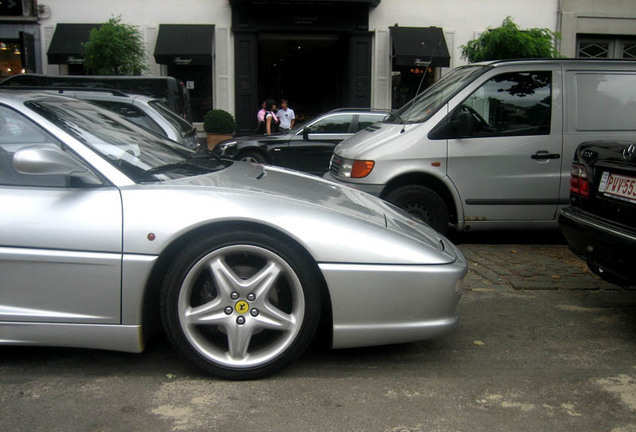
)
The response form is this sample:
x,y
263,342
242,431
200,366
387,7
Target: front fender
x,y
327,235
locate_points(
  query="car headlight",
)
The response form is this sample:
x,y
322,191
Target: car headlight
x,y
225,145
352,168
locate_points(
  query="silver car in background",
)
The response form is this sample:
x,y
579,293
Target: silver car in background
x,y
105,226
145,111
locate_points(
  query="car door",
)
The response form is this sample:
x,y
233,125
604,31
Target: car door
x,y
60,242
311,148
505,146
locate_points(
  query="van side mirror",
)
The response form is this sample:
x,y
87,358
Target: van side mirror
x,y
306,132
462,123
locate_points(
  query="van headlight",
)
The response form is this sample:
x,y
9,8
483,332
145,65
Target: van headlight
x,y
352,168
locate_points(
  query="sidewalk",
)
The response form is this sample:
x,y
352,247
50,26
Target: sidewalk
x,y
528,267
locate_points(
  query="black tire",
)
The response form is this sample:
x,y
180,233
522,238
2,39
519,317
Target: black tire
x,y
292,298
253,157
424,204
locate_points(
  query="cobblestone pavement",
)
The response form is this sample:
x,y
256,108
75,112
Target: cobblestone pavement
x,y
528,267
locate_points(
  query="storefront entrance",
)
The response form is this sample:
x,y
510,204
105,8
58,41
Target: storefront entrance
x,y
301,51
187,51
418,53
305,69
10,61
198,81
17,56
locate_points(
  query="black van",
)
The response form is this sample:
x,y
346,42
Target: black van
x,y
169,89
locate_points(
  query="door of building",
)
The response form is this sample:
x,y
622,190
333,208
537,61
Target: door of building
x,y
306,53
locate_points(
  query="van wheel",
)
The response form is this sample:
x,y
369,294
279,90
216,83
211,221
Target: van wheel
x,y
424,204
253,157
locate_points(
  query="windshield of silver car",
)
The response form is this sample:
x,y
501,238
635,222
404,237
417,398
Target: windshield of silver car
x,y
433,98
140,154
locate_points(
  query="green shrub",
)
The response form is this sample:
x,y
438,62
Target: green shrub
x,y
510,42
115,48
218,121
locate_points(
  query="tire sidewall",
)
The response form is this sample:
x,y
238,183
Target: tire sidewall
x,y
254,155
405,195
198,249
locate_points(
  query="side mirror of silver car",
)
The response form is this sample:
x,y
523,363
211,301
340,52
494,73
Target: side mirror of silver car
x,y
47,160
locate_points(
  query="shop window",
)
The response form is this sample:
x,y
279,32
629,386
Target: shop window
x,y
10,58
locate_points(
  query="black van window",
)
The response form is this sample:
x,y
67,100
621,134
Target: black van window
x,y
516,103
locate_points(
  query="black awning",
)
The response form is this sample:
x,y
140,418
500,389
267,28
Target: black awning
x,y
419,46
183,44
66,45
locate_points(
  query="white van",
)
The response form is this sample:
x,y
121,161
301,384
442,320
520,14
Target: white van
x,y
490,145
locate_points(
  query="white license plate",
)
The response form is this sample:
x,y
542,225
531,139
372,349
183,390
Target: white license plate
x,y
618,186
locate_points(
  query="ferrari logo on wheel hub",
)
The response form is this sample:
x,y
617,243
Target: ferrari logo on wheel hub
x,y
242,307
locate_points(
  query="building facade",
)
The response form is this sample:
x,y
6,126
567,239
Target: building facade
x,y
319,54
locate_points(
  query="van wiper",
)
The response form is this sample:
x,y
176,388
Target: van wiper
x,y
394,118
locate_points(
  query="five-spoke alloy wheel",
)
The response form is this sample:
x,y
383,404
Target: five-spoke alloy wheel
x,y
242,304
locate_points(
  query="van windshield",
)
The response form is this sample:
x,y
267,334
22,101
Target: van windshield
x,y
433,98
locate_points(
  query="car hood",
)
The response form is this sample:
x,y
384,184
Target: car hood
x,y
368,140
311,190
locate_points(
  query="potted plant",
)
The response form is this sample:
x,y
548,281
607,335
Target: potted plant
x,y
219,125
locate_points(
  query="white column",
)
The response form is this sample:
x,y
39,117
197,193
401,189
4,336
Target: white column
x,y
223,69
381,70
150,35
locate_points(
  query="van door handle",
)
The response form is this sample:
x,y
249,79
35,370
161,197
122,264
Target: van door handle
x,y
544,155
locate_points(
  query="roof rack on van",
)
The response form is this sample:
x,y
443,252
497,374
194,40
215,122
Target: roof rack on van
x,y
62,89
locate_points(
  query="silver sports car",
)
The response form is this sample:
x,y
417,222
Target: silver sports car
x,y
105,226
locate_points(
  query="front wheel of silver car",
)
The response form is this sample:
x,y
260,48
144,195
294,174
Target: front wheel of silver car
x,y
241,305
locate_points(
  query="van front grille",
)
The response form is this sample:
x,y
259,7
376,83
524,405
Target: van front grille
x,y
336,161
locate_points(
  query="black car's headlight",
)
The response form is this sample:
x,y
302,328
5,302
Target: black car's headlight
x,y
225,146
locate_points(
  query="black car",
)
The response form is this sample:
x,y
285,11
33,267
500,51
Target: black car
x,y
600,222
307,147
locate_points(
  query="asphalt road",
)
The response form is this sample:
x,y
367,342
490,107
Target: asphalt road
x,y
520,360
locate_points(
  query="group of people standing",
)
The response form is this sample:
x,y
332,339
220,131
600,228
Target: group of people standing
x,y
272,120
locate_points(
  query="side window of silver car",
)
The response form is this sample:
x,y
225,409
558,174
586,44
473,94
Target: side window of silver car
x,y
16,133
510,104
